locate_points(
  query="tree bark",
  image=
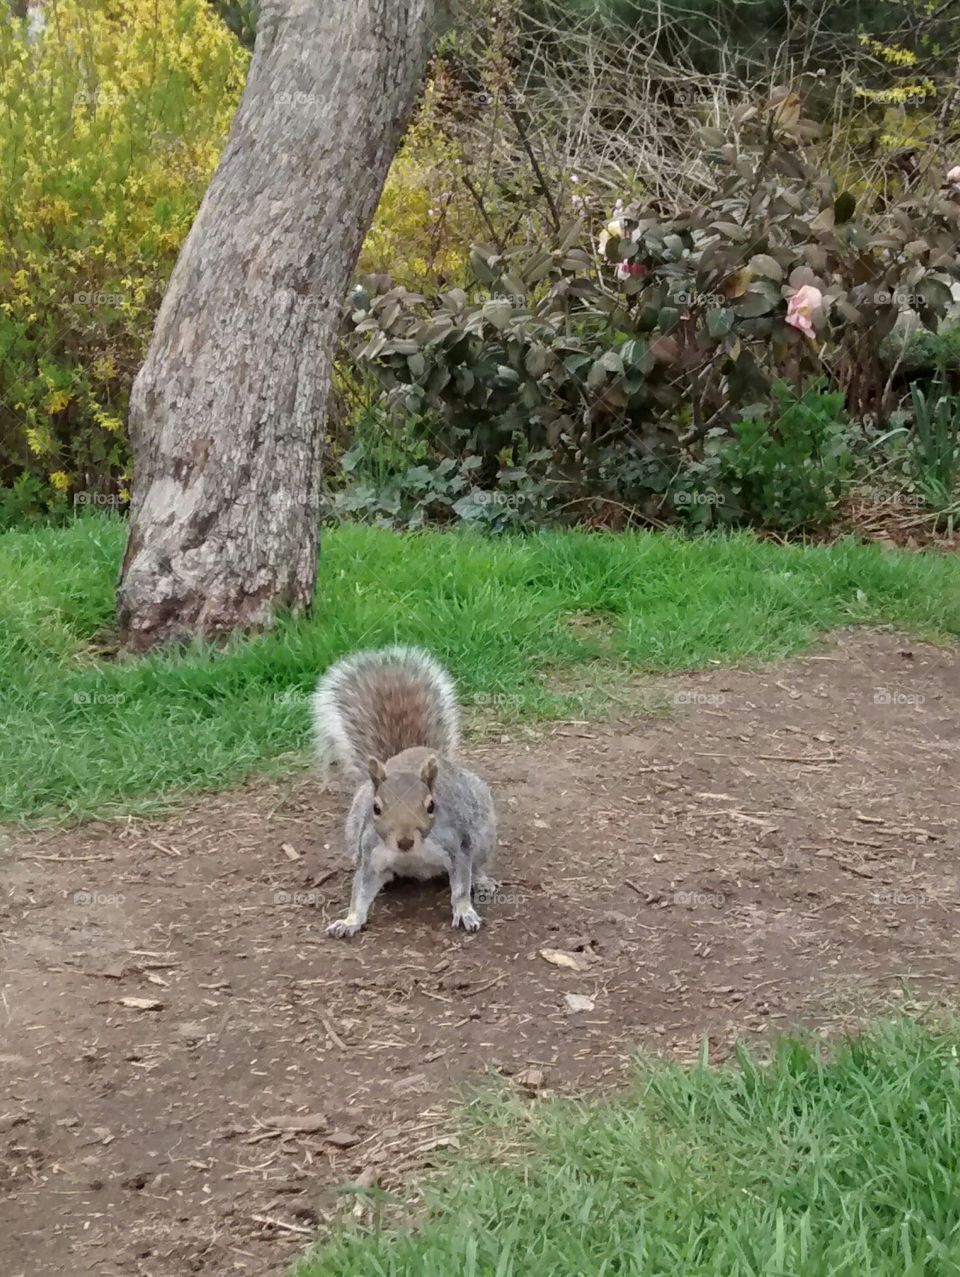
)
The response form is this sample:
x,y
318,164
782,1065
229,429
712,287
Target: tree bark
x,y
227,412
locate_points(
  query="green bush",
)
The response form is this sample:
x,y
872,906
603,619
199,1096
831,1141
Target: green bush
x,y
936,446
786,468
609,370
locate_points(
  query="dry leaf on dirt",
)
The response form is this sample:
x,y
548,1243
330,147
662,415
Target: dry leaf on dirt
x,y
342,1139
560,959
578,1002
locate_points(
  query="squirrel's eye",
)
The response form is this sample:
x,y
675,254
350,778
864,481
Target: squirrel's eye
x,y
377,809
431,807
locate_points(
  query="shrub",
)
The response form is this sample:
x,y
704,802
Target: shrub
x,y
114,115
936,446
620,360
785,466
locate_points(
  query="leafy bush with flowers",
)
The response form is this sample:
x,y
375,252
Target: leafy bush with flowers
x,y
115,112
619,363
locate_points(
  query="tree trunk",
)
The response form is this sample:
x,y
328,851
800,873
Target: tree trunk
x,y
227,412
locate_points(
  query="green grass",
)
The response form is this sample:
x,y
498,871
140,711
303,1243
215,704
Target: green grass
x,y
804,1167
84,736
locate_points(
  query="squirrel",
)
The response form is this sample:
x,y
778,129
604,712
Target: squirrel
x,y
392,716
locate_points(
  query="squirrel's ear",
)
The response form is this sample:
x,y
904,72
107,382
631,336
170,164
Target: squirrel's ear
x,y
428,772
377,770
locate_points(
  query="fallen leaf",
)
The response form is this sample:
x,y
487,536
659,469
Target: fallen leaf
x,y
558,958
578,1002
531,1079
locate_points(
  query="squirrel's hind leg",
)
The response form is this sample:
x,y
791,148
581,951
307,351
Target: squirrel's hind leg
x,y
485,846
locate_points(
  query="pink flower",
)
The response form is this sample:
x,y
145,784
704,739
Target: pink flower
x,y
626,269
802,306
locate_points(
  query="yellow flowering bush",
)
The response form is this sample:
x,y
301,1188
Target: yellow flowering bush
x,y
426,220
114,116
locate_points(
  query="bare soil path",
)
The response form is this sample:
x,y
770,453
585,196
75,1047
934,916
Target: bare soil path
x,y
781,849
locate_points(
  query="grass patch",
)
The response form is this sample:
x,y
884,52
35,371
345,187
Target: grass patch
x,y
83,735
806,1166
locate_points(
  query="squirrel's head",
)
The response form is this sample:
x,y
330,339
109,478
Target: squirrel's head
x,y
403,804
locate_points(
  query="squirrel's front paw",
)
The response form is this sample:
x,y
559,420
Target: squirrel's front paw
x,y
466,916
343,927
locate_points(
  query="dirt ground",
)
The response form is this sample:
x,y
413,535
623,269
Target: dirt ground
x,y
780,848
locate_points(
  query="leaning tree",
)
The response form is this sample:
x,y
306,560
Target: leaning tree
x,y
227,412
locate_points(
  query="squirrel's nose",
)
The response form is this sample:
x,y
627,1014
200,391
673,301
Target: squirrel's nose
x,y
404,843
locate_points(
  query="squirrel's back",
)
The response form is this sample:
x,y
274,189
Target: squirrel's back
x,y
383,702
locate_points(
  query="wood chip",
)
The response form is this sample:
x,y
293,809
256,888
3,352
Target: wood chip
x,y
557,958
142,1004
290,852
578,1002
342,1139
304,1124
113,972
282,1225
531,1079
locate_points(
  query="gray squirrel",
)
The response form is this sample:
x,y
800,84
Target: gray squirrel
x,y
392,716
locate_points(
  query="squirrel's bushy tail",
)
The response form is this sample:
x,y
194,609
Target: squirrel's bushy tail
x,y
380,703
